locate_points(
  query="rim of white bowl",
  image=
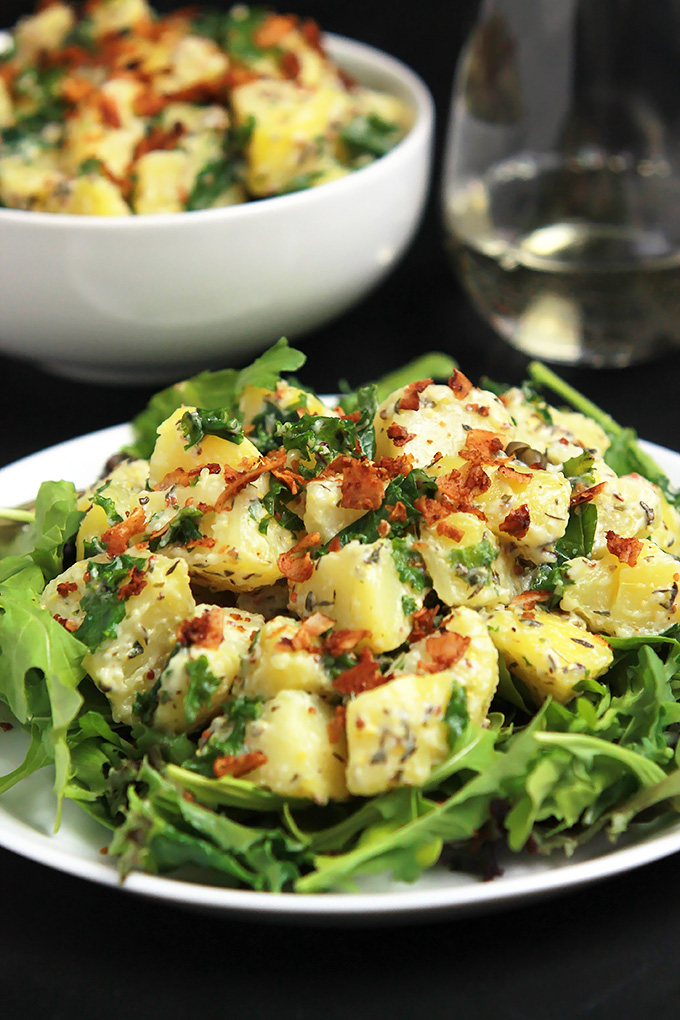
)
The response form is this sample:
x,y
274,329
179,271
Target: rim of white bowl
x,y
343,48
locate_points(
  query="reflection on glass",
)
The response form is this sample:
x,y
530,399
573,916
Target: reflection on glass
x,y
562,176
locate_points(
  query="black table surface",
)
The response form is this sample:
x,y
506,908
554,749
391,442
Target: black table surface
x,y
69,948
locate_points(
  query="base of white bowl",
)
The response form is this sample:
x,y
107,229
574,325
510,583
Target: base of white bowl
x,y
122,375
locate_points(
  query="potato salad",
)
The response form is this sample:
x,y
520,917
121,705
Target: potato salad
x,y
295,641
112,109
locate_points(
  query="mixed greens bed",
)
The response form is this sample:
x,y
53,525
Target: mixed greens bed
x,y
489,693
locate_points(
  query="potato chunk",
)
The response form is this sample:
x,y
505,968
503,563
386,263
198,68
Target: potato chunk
x,y
279,661
202,668
439,425
397,733
621,599
550,653
360,588
169,453
293,733
323,512
126,611
465,562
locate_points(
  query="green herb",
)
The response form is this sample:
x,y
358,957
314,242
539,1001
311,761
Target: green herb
x,y
276,503
215,422
369,136
576,541
410,565
108,506
472,562
146,703
456,715
202,685
183,528
101,605
408,605
264,427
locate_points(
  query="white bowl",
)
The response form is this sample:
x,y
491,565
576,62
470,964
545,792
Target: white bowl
x,y
148,298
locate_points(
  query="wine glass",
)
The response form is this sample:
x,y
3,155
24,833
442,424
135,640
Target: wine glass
x,y
561,180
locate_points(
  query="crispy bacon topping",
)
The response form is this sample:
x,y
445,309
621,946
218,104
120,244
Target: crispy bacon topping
x,y
206,630
296,564
180,476
423,623
627,550
513,475
159,138
399,435
292,479
516,524
65,587
363,677
238,765
583,495
135,583
334,544
398,511
116,538
481,446
69,625
410,399
447,529
460,384
445,650
395,466
527,600
431,509
363,485
336,727
340,641
310,628
237,480
273,29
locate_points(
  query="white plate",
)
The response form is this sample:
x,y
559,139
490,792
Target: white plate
x,y
27,810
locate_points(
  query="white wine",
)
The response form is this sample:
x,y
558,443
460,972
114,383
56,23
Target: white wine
x,y
570,262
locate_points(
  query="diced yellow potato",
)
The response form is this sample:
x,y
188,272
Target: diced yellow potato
x,y
623,600
90,195
629,506
440,425
128,663
323,512
86,137
519,494
476,670
397,733
665,530
197,120
359,587
548,652
562,437
169,453
117,15
254,400
242,557
275,665
293,733
221,665
465,562
7,117
289,136
27,183
163,182
43,32
194,59
125,489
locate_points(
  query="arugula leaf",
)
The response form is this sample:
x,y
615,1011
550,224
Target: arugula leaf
x,y
212,389
40,670
576,541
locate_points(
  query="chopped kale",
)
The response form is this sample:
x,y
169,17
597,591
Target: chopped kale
x,y
214,422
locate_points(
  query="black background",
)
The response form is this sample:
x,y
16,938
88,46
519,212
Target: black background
x,y
72,949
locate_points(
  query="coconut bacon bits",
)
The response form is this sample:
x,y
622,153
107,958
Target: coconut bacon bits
x,y
115,110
